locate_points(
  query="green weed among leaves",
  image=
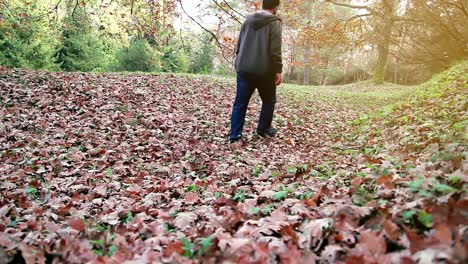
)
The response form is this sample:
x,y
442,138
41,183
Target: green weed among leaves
x,y
196,249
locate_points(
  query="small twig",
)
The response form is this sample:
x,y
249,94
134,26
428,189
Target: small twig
x,y
225,11
220,45
369,9
74,9
235,11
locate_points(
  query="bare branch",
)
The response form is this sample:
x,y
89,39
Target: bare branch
x,y
369,9
74,9
225,11
55,9
220,45
235,11
462,7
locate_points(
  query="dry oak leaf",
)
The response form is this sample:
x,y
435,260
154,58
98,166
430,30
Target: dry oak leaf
x,y
32,255
184,220
233,244
77,224
191,198
314,232
371,242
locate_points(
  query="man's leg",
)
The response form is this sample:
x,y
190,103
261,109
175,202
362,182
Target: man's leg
x,y
267,91
245,90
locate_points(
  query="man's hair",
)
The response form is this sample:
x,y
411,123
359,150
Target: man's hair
x,y
270,4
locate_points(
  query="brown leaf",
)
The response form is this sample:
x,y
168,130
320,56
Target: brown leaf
x,y
391,230
174,247
191,198
77,224
386,181
32,255
443,234
184,220
372,242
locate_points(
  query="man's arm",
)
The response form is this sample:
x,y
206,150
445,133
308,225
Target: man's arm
x,y
275,46
239,40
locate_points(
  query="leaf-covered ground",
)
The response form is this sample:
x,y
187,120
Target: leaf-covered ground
x,y
111,168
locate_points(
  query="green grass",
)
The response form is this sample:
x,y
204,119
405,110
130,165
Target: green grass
x,y
361,94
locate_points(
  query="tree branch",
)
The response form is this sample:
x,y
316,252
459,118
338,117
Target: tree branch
x,y
235,11
225,11
462,7
220,45
369,9
74,9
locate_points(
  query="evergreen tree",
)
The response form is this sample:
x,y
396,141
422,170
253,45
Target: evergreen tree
x,y
25,40
202,58
82,48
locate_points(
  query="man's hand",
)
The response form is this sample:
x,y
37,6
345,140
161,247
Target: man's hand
x,y
279,79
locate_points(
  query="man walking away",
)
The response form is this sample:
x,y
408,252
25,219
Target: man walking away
x,y
259,66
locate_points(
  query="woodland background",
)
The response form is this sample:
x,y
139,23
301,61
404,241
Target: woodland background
x,y
325,42
105,167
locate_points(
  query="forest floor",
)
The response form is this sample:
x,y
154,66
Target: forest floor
x,y
107,168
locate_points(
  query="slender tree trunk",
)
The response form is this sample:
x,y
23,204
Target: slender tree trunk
x,y
306,75
325,75
307,66
292,73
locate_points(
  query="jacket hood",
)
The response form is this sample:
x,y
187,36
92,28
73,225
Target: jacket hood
x,y
260,19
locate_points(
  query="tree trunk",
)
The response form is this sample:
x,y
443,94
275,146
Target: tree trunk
x,y
292,73
383,45
325,74
379,74
307,66
306,75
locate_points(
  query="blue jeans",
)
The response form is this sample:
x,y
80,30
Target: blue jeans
x,y
246,85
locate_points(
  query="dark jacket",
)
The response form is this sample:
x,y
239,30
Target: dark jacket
x,y
259,45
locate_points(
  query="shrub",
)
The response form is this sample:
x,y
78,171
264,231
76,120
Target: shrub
x,y
355,73
139,56
25,41
82,48
174,59
203,56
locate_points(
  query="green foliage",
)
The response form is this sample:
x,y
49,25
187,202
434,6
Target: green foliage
x,y
188,247
202,56
292,169
173,59
408,216
363,195
145,56
425,219
192,188
139,56
81,47
199,248
240,196
31,190
257,170
25,40
443,189
104,247
254,210
416,185
281,195
268,209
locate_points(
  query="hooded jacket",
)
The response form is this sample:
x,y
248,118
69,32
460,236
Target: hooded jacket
x,y
259,45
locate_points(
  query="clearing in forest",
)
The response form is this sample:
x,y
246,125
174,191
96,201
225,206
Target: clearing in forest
x,y
107,168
